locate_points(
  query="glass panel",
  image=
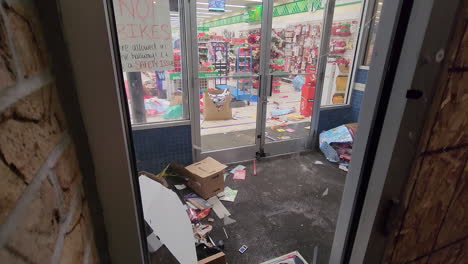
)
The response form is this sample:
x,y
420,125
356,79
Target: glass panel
x,y
228,113
294,52
342,48
372,24
150,48
228,57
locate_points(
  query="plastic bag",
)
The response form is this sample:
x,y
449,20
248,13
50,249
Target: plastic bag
x,y
173,112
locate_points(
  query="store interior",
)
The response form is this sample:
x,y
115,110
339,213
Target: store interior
x,y
186,119
229,52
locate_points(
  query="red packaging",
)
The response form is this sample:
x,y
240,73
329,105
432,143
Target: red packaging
x,y
306,107
308,90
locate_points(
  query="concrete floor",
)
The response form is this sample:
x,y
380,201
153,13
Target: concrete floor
x,y
282,209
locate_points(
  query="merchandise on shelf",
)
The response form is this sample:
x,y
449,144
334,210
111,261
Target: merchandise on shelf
x,y
341,29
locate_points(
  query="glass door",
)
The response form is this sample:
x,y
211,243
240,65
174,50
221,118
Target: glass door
x,y
226,68
254,69
290,77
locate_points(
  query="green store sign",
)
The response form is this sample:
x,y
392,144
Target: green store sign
x,y
178,76
254,13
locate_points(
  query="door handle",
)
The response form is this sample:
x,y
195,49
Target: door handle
x,y
271,85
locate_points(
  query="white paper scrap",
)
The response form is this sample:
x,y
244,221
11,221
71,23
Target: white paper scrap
x,y
180,186
238,167
325,193
218,207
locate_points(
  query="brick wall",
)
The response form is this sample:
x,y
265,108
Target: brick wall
x,y
44,213
432,223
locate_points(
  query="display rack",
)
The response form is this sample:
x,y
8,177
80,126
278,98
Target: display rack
x,y
203,50
221,63
243,91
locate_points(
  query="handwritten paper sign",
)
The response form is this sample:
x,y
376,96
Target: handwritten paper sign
x,y
144,32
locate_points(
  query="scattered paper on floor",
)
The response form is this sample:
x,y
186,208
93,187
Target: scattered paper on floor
x,y
238,167
239,175
229,194
180,186
228,220
218,207
325,193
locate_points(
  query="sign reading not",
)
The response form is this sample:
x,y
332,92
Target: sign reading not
x,y
144,32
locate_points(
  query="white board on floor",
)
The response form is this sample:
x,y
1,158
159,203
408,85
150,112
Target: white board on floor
x,y
166,215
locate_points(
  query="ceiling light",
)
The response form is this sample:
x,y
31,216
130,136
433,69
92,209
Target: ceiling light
x,y
206,13
201,3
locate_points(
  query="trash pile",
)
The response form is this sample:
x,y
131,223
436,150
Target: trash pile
x,y
201,190
337,144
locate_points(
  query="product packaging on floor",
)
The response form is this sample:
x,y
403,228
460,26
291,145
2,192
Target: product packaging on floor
x,y
337,143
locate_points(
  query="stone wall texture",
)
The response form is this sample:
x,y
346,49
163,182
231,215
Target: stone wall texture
x,y
432,225
44,214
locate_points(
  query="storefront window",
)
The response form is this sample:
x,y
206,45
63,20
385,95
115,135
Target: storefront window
x,y
149,37
342,48
373,24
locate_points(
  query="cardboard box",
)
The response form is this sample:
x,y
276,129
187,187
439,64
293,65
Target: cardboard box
x,y
211,112
341,82
206,177
218,258
176,99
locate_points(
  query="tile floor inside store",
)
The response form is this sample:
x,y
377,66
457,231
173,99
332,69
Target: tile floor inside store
x,y
240,130
281,209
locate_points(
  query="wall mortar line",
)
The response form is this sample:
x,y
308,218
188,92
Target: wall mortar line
x,y
87,253
31,191
63,230
14,55
58,195
10,95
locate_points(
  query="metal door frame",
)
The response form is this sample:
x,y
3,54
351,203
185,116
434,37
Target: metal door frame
x,y
260,148
234,154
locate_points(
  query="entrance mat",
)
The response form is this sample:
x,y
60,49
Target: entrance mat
x,y
290,258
